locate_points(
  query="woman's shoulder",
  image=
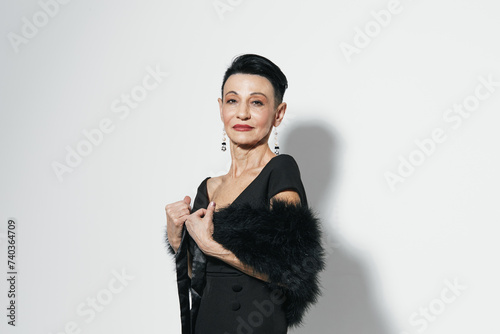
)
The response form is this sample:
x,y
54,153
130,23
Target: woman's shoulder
x,y
285,175
284,161
213,183
202,193
284,164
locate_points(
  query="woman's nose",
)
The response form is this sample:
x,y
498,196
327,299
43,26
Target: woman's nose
x,y
243,112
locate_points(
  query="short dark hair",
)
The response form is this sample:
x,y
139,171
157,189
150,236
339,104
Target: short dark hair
x,y
255,64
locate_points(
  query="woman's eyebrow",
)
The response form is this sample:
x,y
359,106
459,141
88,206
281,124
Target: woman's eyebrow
x,y
254,93
258,93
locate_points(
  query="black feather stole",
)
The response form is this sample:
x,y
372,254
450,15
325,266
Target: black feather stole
x,y
282,241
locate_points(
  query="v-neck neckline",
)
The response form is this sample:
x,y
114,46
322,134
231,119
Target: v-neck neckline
x,y
244,190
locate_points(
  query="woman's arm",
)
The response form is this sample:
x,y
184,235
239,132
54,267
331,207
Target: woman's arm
x,y
216,250
177,213
200,227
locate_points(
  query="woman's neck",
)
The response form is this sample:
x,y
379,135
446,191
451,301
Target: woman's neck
x,y
243,160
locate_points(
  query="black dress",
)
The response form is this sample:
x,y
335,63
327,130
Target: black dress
x,y
232,301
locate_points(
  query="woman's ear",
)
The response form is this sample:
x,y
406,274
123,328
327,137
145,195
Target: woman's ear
x,y
280,113
220,109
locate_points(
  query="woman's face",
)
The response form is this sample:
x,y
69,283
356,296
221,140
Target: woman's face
x,y
248,110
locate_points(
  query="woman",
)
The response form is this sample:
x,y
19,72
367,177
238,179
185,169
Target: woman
x,y
252,264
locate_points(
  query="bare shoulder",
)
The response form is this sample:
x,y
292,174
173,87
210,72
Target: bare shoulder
x,y
213,183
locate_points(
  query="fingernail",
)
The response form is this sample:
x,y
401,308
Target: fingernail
x,y
212,203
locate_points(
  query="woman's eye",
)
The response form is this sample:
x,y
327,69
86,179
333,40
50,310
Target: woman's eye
x,y
230,101
258,103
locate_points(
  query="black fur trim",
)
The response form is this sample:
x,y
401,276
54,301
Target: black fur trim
x,y
169,247
283,242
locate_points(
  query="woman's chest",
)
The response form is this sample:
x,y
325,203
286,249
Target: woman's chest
x,y
229,191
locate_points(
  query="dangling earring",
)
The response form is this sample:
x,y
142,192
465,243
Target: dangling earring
x,y
276,147
223,148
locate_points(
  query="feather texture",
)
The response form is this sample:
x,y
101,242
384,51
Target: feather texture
x,y
282,241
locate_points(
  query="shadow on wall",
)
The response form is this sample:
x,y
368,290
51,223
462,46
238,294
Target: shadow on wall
x,y
350,301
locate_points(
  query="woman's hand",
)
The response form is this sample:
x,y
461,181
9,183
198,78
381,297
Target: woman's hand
x,y
201,227
177,213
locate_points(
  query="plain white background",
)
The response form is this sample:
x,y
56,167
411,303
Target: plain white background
x,y
352,116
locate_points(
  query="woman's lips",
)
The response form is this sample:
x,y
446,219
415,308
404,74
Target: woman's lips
x,y
242,127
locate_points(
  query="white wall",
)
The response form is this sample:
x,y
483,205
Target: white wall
x,y
352,115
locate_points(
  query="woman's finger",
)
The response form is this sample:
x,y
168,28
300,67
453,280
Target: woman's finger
x,y
199,213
